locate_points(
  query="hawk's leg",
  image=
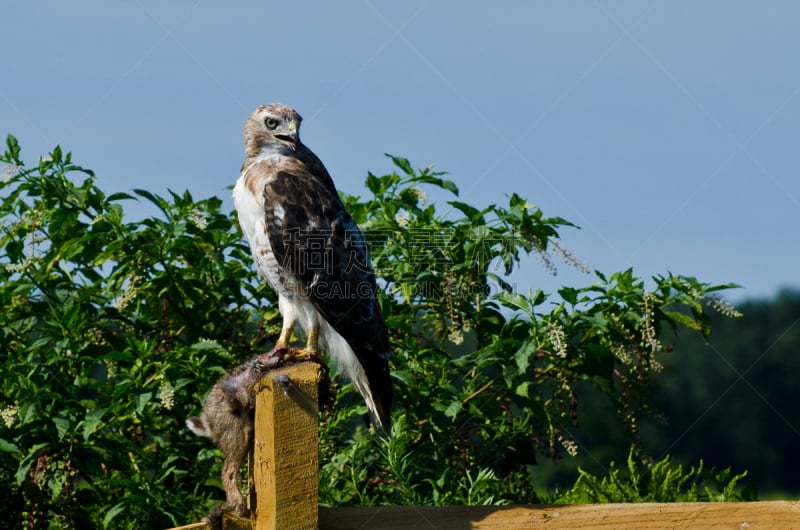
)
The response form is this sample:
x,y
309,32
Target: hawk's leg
x,y
286,336
309,353
312,344
290,318
289,321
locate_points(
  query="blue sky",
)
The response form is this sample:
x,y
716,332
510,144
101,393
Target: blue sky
x,y
666,130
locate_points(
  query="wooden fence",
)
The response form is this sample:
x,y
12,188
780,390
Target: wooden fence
x,y
285,463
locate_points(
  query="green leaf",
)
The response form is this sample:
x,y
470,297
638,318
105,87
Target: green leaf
x,y
158,201
723,287
374,184
448,185
402,163
9,447
92,421
120,196
207,345
453,409
684,320
113,512
472,213
569,294
513,301
25,464
142,399
523,389
13,149
63,426
523,356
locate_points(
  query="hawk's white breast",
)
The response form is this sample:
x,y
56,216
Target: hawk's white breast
x,y
293,301
251,211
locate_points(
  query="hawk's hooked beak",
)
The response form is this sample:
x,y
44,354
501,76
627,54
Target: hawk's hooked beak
x,y
291,138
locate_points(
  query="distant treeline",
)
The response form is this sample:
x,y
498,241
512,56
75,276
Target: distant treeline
x,y
730,402
734,400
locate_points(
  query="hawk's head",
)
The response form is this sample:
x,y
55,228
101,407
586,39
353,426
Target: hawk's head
x,y
272,129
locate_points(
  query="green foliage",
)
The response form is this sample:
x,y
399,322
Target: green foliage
x,y
487,376
659,481
113,331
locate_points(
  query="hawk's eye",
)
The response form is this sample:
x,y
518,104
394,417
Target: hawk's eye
x,y
271,123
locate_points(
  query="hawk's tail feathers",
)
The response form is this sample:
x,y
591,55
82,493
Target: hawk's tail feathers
x,y
368,370
377,407
375,384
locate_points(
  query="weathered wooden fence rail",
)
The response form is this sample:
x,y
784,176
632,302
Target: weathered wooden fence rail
x,y
285,463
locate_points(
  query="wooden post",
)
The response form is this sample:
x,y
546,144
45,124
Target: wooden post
x,y
286,457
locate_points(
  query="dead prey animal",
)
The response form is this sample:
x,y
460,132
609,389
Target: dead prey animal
x,y
228,417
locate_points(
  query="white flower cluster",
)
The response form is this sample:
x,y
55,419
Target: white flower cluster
x,y
725,308
129,294
167,395
558,339
456,336
655,365
111,368
199,219
648,329
569,445
95,336
570,258
9,415
624,354
545,259
9,172
21,267
402,218
422,198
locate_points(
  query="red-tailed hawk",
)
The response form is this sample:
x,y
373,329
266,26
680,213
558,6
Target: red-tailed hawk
x,y
310,250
